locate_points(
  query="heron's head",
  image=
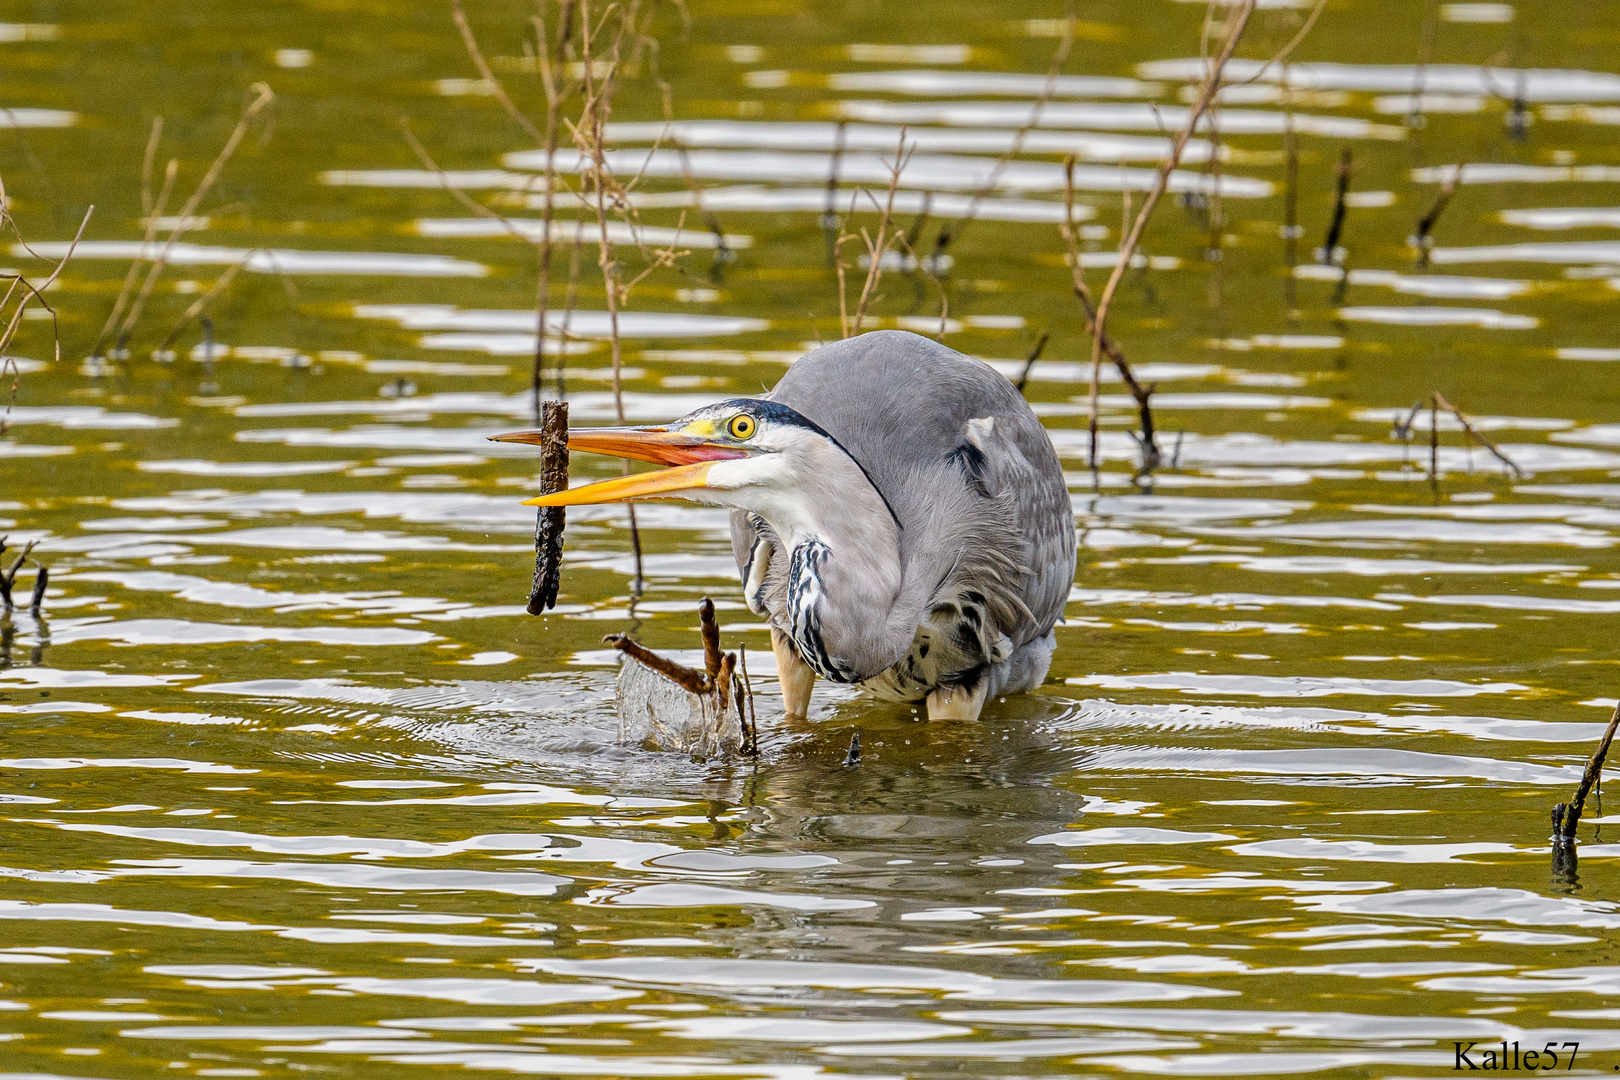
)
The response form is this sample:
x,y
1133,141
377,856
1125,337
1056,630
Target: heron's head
x,y
743,453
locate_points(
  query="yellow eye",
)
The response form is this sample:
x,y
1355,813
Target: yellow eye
x,y
742,426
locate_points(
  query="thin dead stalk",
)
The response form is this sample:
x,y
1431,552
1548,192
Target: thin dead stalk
x,y
1341,194
1439,402
1236,22
876,249
1423,238
1029,361
1088,309
152,217
589,135
1060,57
1291,231
148,159
488,75
25,292
201,304
1589,777
262,97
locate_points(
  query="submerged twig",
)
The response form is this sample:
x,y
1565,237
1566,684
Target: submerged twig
x,y
1341,192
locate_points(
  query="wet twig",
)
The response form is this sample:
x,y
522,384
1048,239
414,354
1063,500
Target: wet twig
x,y
550,521
8,578
1590,777
710,629
686,678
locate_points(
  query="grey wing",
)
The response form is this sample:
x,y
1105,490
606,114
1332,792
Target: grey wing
x,y
906,407
1020,466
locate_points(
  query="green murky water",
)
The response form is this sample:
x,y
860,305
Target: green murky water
x,y
292,784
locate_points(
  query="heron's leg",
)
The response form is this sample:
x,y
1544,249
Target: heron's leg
x,y
957,702
796,676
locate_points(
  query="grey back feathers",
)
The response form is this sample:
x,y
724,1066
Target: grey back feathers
x,y
971,476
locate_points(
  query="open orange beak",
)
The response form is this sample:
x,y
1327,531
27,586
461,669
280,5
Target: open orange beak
x,y
690,456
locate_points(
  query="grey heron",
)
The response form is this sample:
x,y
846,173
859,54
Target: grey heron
x,y
898,516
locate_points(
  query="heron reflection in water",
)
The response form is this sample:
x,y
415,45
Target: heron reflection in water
x,y
898,516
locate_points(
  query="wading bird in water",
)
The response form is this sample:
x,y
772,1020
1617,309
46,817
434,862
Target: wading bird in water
x,y
898,515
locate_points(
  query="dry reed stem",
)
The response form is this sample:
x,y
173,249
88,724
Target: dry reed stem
x,y
148,159
1236,22
30,291
200,305
262,97
588,133
1422,238
1281,57
1088,309
876,249
555,96
1060,57
488,75
1440,402
1291,231
169,174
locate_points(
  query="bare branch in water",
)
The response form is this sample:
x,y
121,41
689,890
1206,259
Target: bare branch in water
x,y
1423,238
30,291
1029,361
686,678
1440,402
150,235
262,97
1236,22
877,248
1589,777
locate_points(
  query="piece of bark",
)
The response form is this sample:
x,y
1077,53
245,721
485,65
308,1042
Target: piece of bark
x,y
550,520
